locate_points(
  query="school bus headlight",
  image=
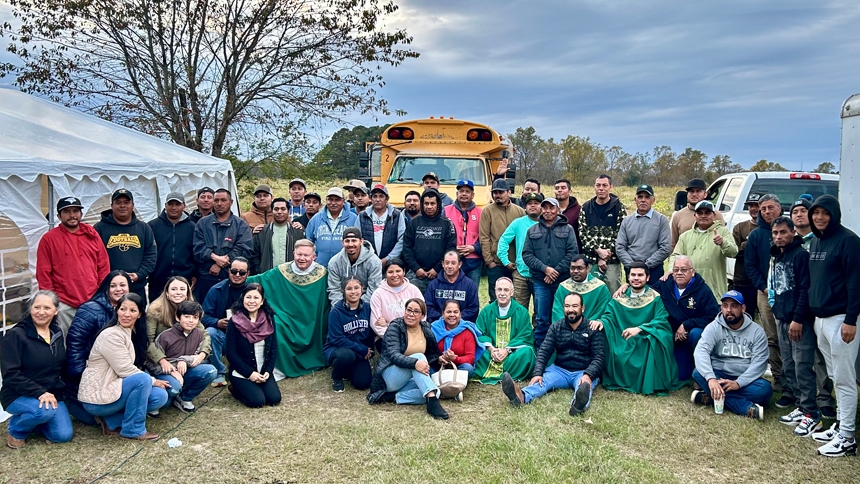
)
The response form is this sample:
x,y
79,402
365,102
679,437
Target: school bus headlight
x,y
479,135
401,133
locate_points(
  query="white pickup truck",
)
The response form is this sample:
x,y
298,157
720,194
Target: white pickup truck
x,y
730,192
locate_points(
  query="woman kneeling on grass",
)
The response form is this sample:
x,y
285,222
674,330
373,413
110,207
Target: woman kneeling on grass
x,y
403,371
113,389
32,355
251,350
349,346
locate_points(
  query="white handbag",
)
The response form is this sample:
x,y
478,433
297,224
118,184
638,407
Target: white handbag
x,y
450,380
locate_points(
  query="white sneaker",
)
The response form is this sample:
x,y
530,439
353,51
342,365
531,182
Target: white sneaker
x,y
838,447
181,404
792,419
807,426
825,436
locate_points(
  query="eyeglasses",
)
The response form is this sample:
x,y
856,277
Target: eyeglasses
x,y
413,311
238,272
681,270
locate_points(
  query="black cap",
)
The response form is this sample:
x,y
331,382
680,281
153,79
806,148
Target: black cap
x,y
68,202
802,202
645,188
351,232
528,197
697,183
313,195
501,184
122,192
205,190
430,175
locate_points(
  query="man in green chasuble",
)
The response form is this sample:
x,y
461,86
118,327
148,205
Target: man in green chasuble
x,y
507,335
595,294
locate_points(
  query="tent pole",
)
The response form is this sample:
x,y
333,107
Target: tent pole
x,y
52,217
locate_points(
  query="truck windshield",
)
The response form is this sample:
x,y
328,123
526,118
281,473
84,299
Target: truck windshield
x,y
410,169
790,190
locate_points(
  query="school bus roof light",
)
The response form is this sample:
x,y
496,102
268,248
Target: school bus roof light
x,y
479,135
401,133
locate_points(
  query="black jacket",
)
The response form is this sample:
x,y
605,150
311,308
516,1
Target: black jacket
x,y
834,256
29,365
790,283
240,353
550,246
130,247
175,244
582,349
394,344
261,255
696,308
757,254
428,238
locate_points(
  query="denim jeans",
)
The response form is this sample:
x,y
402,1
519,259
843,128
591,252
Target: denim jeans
x,y
797,363
411,385
217,338
129,412
467,367
196,380
557,378
683,351
475,274
544,296
421,284
493,275
27,417
740,401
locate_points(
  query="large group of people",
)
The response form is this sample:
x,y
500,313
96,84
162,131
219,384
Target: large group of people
x,y
132,318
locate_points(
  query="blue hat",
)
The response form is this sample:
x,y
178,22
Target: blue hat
x,y
466,183
736,296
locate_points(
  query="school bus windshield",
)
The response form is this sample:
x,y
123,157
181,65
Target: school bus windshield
x,y
408,169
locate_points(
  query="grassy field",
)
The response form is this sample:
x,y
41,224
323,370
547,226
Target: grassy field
x,y
316,435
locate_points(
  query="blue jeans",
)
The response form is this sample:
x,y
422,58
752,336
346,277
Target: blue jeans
x,y
467,367
217,339
557,378
129,412
544,296
475,273
411,385
683,351
493,275
196,380
740,401
27,417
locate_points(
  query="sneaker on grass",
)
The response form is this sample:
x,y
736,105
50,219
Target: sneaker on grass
x,y
828,412
182,405
580,399
700,397
792,419
838,447
219,382
756,412
807,426
826,435
337,386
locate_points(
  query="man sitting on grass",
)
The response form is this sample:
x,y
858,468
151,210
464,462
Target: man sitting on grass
x,y
731,358
580,355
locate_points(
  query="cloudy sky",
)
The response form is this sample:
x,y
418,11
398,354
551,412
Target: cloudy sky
x,y
751,79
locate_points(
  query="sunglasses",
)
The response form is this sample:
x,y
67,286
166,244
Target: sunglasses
x,y
238,272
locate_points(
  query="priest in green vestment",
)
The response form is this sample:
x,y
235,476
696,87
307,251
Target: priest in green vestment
x,y
296,291
506,330
595,294
639,339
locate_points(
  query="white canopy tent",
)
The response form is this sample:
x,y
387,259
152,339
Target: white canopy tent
x,y
48,152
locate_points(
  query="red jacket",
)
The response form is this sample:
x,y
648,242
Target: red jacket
x,y
72,264
463,345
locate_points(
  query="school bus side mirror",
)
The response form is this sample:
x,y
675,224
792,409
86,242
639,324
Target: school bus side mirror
x,y
680,200
363,163
511,174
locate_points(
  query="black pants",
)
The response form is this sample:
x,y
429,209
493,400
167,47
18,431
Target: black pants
x,y
346,364
255,395
201,289
750,295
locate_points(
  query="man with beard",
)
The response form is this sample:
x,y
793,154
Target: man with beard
x,y
298,189
218,302
219,238
296,292
741,233
466,217
684,219
495,219
639,338
313,202
452,283
382,225
645,235
426,240
506,332
531,185
273,245
174,237
261,209
205,201
516,233
580,355
71,261
569,206
599,222
356,260
549,247
730,359
594,293
411,205
325,230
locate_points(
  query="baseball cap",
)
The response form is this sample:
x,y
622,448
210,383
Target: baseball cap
x,y
122,192
263,188
734,295
175,196
528,197
353,184
501,184
753,197
68,202
362,188
205,190
466,183
351,233
334,192
705,205
645,188
551,201
313,195
431,175
379,188
299,181
697,183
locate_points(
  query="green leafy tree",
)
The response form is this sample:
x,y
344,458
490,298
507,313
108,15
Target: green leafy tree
x,y
581,159
339,156
825,167
528,150
764,165
722,165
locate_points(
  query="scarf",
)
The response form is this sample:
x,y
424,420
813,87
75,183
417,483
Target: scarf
x,y
447,335
253,332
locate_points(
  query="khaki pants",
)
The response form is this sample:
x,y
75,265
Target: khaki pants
x,y
523,289
65,315
768,323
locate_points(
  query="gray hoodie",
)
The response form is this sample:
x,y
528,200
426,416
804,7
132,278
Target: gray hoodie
x,y
367,268
742,352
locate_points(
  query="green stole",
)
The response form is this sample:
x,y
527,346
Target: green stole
x,y
513,331
301,311
595,297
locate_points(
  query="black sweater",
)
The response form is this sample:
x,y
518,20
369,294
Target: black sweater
x,y
175,243
130,247
834,256
791,282
582,349
29,365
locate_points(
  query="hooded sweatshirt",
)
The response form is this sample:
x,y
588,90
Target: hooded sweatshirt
x,y
72,264
462,289
349,328
466,225
789,282
741,353
130,247
327,233
834,256
695,308
757,254
428,238
257,216
389,303
367,268
708,258
175,242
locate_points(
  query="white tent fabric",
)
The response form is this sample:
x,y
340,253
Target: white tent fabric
x,y
44,144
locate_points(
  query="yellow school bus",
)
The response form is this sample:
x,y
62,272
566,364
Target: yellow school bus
x,y
453,149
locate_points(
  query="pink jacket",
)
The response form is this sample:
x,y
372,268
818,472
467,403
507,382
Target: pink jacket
x,y
387,304
466,229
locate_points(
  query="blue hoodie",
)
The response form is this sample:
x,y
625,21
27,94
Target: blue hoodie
x,y
757,254
328,234
462,289
349,328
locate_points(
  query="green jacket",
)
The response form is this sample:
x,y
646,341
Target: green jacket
x,y
709,259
